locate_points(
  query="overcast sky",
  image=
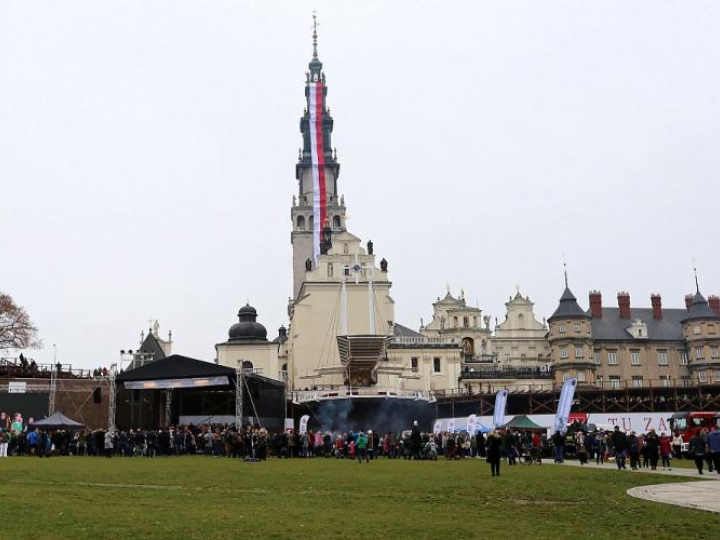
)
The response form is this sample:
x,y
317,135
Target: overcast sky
x,y
148,150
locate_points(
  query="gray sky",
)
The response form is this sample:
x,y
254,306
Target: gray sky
x,y
147,154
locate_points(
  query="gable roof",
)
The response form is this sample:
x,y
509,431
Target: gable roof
x,y
611,327
568,308
151,345
175,366
403,331
57,421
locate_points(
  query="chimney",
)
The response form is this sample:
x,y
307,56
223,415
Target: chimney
x,y
596,304
714,303
624,304
688,301
656,301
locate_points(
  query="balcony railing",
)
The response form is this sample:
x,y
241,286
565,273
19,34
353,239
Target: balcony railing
x,y
516,373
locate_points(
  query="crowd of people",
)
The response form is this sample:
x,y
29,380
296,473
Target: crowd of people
x,y
643,451
255,442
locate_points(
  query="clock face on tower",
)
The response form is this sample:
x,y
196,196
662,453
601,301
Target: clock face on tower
x,y
356,267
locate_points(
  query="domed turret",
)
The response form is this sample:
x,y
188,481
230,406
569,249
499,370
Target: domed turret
x,y
247,328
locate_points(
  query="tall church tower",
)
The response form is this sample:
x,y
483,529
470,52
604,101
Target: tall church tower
x,y
318,204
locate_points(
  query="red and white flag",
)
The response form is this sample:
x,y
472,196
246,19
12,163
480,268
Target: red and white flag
x,y
317,156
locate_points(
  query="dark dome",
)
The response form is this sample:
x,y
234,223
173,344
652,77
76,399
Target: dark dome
x,y
247,328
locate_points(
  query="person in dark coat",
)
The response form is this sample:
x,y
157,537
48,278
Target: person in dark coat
x,y
696,450
652,445
415,440
493,450
620,444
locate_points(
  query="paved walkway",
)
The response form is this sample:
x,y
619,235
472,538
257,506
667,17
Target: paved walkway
x,y
697,495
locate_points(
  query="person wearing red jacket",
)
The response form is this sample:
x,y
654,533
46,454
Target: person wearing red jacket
x,y
666,450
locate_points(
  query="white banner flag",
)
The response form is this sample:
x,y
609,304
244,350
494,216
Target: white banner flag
x,y
436,427
303,424
451,425
500,407
564,405
471,424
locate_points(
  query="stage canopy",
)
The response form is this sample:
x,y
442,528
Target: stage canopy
x,y
522,422
57,421
176,371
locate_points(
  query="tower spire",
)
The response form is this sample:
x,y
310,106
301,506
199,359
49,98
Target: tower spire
x,y
697,285
314,35
565,270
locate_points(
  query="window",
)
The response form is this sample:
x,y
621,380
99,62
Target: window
x,y
578,352
576,326
665,380
716,375
614,382
596,357
702,376
414,364
581,375
562,328
301,223
637,382
455,322
699,353
474,321
336,222
662,358
466,322
330,270
346,248
696,330
635,358
346,270
436,365
683,359
686,381
711,328
563,352
612,358
565,377
714,352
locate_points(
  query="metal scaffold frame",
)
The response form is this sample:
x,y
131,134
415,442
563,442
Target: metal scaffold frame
x,y
238,395
111,401
53,391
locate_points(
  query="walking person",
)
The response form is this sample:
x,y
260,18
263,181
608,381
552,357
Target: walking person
x,y
620,445
677,442
361,447
665,450
696,450
492,449
581,448
108,444
652,448
558,447
713,444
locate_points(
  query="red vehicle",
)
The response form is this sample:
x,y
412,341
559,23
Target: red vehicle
x,y
688,424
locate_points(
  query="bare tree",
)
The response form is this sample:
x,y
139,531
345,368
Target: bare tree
x,y
16,329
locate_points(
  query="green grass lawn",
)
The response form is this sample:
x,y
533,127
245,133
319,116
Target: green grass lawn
x,y
197,497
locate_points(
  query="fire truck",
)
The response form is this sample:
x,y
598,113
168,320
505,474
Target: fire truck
x,y
688,424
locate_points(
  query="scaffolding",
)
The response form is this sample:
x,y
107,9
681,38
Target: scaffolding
x,y
53,391
238,395
111,401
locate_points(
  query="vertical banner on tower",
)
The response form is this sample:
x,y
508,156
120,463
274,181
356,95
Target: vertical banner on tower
x,y
500,407
436,427
565,404
471,425
303,423
317,156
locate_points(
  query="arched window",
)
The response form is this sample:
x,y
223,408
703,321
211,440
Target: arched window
x,y
336,222
475,321
284,367
455,322
301,223
466,322
311,223
521,321
247,364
